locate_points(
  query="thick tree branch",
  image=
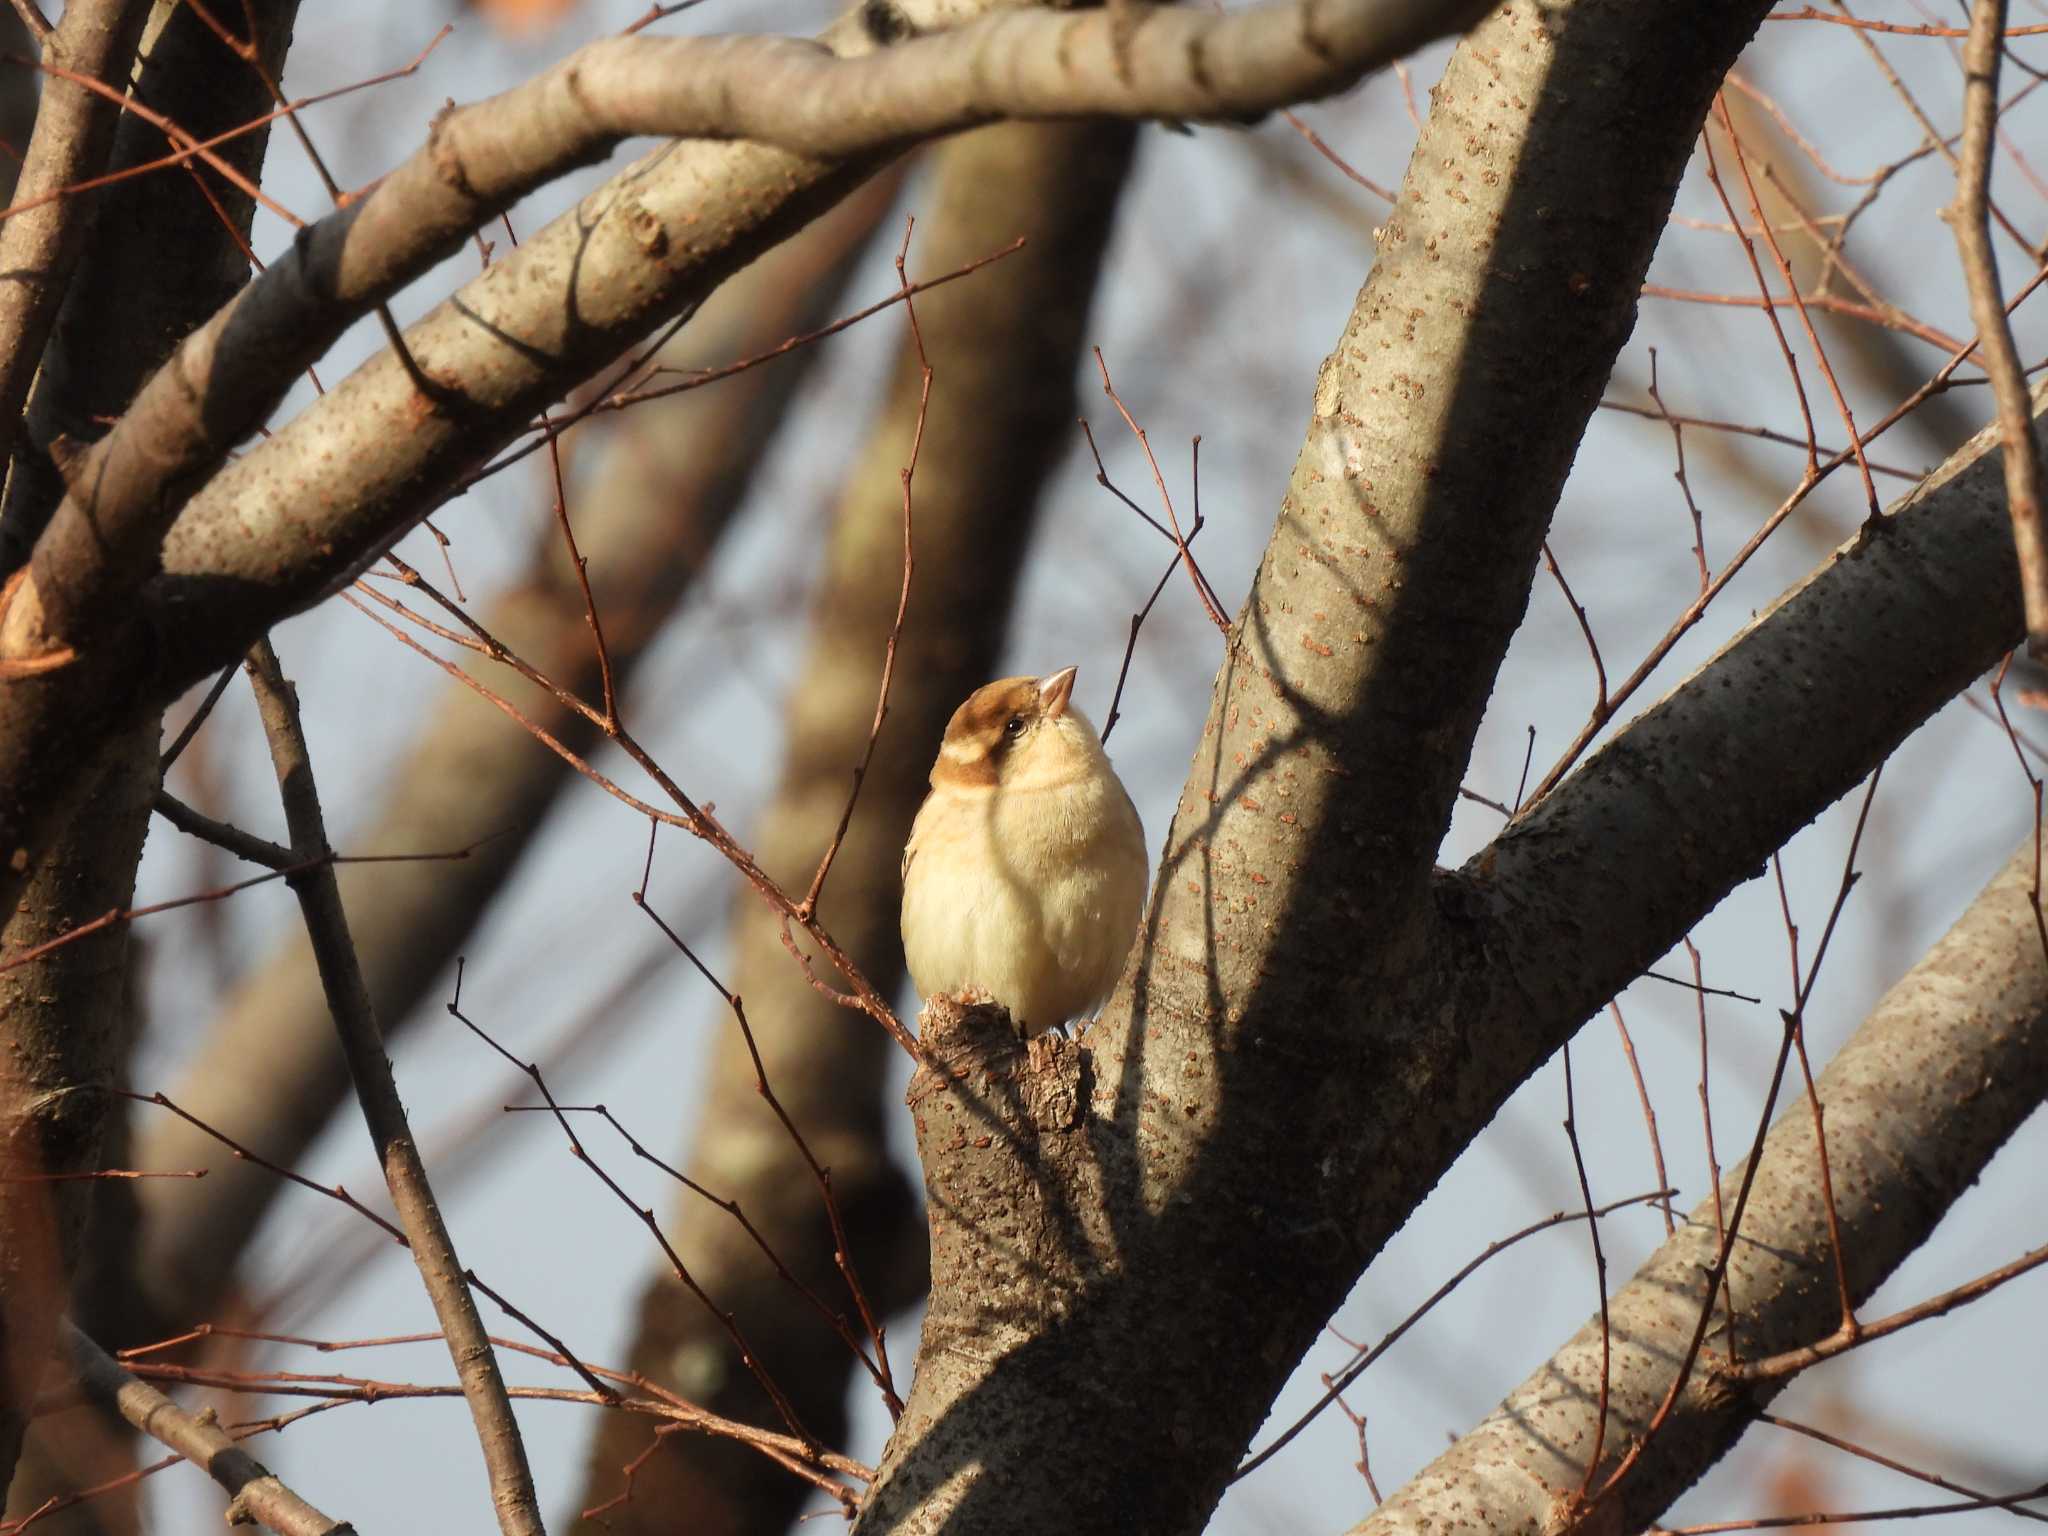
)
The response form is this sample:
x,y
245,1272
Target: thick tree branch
x,y
65,1033
1151,1235
1946,1067
73,134
1630,848
255,1496
447,1286
796,95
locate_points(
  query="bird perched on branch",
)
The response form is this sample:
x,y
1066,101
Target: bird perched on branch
x,y
1024,876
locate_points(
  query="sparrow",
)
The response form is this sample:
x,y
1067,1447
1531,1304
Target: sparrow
x,y
1024,876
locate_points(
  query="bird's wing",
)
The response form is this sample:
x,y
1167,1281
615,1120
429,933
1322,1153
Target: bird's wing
x,y
910,845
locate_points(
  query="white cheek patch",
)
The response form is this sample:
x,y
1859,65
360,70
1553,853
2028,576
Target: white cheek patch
x,y
960,751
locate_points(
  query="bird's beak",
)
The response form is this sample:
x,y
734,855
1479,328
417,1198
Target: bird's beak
x,y
1054,691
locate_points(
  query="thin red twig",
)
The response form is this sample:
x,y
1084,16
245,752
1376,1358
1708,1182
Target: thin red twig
x,y
617,396
1844,1339
809,904
1785,275
1317,143
1585,628
1867,1454
120,915
1138,619
1726,1249
1834,304
1571,1133
1699,527
1359,1366
692,818
1969,216
2034,783
1695,610
1770,309
1203,590
1903,29
783,1406
1635,1068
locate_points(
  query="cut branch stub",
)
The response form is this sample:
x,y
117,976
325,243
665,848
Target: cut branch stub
x,y
1007,1177
1016,1210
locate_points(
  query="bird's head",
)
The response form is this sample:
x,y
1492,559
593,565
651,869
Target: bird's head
x,y
1018,733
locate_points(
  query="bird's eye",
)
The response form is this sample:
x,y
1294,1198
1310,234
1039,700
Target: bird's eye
x,y
1014,727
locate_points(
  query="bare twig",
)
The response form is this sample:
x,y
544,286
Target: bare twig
x,y
243,845
1969,217
1677,419
73,133
103,1173
632,383
1316,143
117,915
1903,29
1586,629
809,905
1203,590
1834,304
1699,531
1357,1368
255,1496
1805,320
1716,1277
376,1091
1866,1453
1853,1334
335,1192
76,1496
1138,619
682,1271
876,1366
1628,1049
1571,1132
688,815
191,727
31,17
2034,784
1860,1516
1719,1272
250,52
1131,647
1707,1103
1697,608
608,688
1696,985
784,1450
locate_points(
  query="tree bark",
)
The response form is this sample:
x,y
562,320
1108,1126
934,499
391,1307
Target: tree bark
x,y
65,1022
40,246
163,254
